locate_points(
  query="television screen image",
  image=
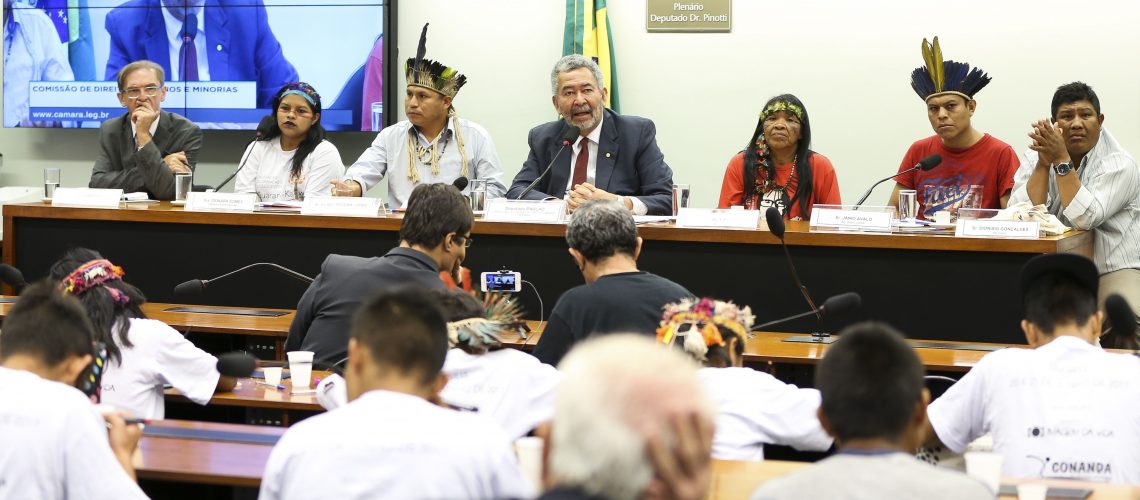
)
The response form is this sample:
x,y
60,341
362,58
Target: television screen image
x,y
224,59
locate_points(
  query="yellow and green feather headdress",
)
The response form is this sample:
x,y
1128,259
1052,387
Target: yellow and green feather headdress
x,y
423,72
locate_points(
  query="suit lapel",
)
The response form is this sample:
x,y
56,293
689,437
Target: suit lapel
x,y
217,35
156,43
607,152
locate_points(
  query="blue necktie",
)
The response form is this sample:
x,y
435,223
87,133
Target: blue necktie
x,y
188,55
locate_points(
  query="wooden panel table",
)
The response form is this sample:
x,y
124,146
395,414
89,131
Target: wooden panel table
x,y
204,461
941,287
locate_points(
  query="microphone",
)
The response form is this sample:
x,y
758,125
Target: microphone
x,y
834,305
12,277
237,364
460,183
776,226
197,285
263,127
568,138
1123,320
924,164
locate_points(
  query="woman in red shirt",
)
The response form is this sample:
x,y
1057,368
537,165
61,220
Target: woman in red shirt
x,y
782,169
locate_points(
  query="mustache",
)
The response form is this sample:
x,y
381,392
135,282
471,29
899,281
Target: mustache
x,y
586,108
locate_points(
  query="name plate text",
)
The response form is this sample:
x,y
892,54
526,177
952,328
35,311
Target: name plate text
x,y
504,210
352,206
863,220
221,202
986,228
86,197
715,217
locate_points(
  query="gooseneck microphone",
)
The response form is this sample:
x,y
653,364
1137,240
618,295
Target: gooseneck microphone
x,y
568,138
237,364
197,285
262,132
12,277
776,226
834,305
924,164
1123,320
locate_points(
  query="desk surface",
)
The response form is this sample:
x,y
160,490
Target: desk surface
x,y
204,461
232,324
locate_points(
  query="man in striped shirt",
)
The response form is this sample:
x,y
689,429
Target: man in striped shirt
x,y
1087,179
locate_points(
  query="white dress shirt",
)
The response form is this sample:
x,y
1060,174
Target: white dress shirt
x,y
594,137
388,154
1108,202
393,445
54,444
1067,409
174,34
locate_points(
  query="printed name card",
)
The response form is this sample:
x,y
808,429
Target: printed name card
x,y
220,202
989,228
504,210
352,206
859,220
86,197
715,217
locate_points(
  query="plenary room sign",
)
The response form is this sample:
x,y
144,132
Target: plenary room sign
x,y
701,16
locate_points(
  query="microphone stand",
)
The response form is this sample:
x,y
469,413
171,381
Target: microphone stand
x,y
872,188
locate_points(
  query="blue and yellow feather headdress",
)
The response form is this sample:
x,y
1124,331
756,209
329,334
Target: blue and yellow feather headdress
x,y
423,72
945,77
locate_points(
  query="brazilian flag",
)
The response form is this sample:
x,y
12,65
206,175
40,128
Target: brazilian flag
x,y
588,33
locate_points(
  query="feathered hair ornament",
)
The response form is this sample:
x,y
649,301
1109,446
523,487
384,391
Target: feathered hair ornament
x,y
945,77
423,72
483,333
697,320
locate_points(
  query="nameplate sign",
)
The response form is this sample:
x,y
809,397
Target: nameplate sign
x,y
715,217
988,228
504,210
86,197
220,202
860,220
701,16
352,206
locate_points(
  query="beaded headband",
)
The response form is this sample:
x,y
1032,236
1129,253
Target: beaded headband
x,y
92,274
304,90
782,106
703,317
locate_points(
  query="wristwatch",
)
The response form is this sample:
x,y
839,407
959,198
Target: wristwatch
x,y
1063,168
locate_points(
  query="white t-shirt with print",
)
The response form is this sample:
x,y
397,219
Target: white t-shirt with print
x,y
160,355
53,444
1067,409
267,168
392,445
754,408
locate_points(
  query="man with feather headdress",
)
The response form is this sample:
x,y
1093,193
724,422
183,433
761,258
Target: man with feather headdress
x,y
432,145
977,169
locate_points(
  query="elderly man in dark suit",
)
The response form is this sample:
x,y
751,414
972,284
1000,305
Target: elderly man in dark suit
x,y
143,149
616,157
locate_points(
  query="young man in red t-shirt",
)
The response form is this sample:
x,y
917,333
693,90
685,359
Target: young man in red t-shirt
x,y
969,157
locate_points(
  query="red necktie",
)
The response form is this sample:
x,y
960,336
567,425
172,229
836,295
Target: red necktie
x,y
580,165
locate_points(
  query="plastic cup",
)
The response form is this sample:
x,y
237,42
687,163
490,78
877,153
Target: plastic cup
x,y
273,374
908,205
300,368
985,466
529,452
680,197
183,183
51,181
478,194
1032,491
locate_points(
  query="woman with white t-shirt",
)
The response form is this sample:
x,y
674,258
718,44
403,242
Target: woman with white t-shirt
x,y
292,160
753,407
511,387
142,354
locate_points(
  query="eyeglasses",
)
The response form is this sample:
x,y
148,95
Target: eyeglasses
x,y
136,93
467,241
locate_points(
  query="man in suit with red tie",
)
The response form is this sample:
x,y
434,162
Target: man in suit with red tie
x,y
616,156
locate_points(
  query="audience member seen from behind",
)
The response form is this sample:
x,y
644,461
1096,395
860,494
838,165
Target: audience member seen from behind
x,y
144,148
1086,178
508,385
782,170
55,443
434,236
617,297
631,420
1064,408
874,404
294,160
392,440
753,407
143,354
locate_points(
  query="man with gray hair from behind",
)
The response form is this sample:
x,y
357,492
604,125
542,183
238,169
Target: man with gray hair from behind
x,y
625,430
617,296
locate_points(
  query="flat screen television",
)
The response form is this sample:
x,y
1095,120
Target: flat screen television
x,y
224,59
